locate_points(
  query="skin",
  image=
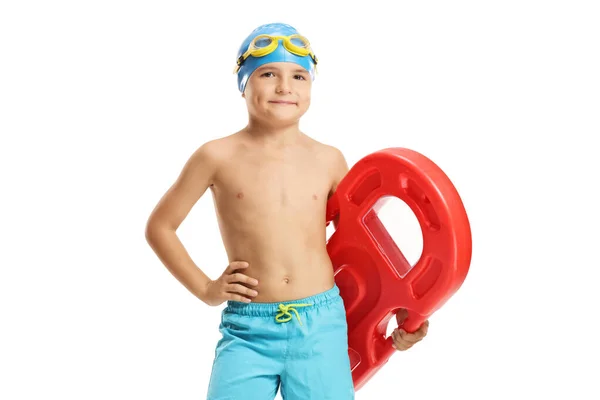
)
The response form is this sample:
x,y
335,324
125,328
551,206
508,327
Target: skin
x,y
270,183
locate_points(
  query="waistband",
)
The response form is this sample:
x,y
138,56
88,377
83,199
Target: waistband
x,y
270,309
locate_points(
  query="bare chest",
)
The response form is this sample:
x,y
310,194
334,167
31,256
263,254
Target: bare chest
x,y
267,185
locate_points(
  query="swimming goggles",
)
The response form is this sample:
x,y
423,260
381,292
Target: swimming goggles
x,y
266,44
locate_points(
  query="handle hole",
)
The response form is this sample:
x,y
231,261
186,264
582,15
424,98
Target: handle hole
x,y
396,229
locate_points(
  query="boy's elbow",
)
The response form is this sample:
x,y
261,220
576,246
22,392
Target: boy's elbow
x,y
153,230
149,232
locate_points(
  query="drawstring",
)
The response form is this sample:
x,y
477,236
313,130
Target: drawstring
x,y
284,312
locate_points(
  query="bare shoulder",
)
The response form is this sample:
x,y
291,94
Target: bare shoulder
x,y
334,162
213,150
337,158
339,165
329,154
211,154
195,178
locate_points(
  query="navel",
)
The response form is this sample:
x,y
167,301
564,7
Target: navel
x,y
315,197
286,280
240,195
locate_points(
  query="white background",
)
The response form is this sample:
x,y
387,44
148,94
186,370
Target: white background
x,y
101,104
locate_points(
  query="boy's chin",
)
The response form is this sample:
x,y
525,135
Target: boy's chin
x,y
284,117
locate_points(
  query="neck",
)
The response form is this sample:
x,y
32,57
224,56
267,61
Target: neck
x,y
272,135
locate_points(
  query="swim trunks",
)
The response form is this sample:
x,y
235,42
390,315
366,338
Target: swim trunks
x,y
300,347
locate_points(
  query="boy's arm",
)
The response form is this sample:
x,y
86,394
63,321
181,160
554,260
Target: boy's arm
x,y
192,182
340,169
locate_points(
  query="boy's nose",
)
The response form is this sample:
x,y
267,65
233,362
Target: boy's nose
x,y
283,86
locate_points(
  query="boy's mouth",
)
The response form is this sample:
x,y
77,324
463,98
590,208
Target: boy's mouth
x,y
282,102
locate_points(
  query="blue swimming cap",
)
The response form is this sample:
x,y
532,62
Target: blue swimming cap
x,y
279,55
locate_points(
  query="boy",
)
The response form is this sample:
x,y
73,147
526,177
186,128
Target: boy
x,y
285,322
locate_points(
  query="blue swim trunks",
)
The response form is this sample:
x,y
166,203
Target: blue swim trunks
x,y
300,347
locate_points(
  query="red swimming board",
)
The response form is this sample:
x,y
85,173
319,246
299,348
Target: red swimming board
x,y
374,277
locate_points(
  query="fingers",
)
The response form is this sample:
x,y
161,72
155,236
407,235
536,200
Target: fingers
x,y
235,265
240,289
410,337
398,343
424,328
231,283
237,297
404,340
401,343
231,275
241,278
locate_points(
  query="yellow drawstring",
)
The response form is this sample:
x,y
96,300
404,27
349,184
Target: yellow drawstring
x,y
284,312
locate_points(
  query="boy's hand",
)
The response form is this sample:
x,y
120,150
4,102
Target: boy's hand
x,y
404,340
229,286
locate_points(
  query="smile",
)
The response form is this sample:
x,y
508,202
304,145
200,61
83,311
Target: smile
x,y
289,103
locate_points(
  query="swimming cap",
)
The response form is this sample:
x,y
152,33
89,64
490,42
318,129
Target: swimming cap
x,y
281,54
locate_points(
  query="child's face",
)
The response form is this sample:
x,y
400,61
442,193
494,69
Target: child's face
x,y
278,93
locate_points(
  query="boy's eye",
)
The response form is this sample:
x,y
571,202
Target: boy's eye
x,y
269,73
